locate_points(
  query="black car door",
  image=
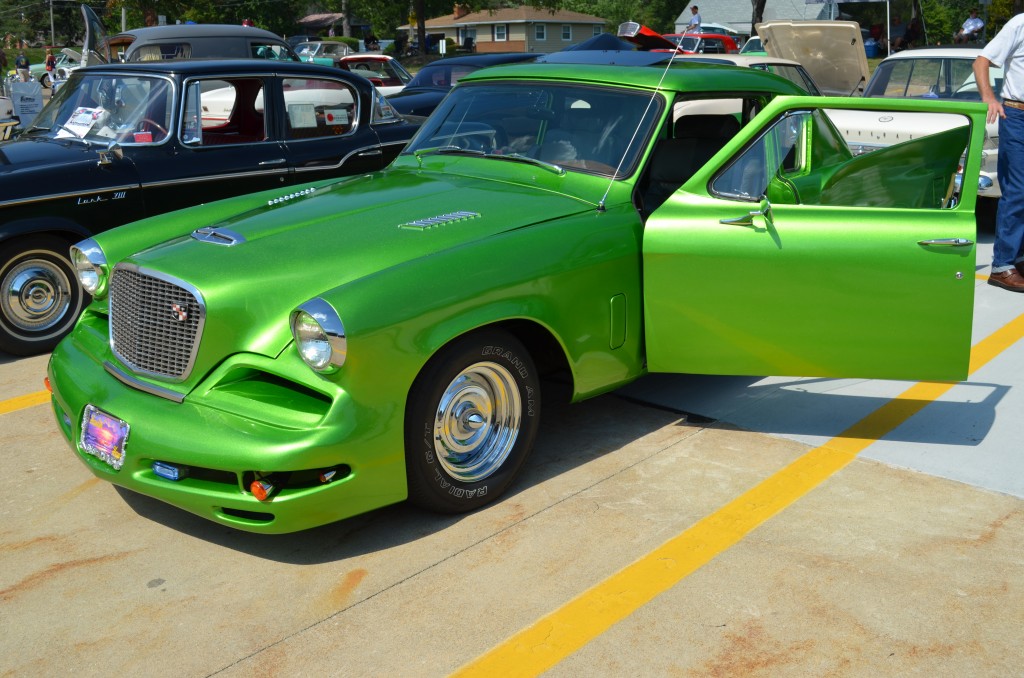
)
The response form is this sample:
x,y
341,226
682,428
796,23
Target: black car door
x,y
325,124
222,145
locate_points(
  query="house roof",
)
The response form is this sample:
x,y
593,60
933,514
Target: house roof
x,y
511,15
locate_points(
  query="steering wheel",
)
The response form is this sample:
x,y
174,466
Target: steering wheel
x,y
154,124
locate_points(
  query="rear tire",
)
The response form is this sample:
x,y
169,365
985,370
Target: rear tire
x,y
40,298
471,422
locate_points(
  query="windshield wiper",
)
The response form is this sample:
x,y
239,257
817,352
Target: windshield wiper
x,y
519,157
74,136
449,150
514,157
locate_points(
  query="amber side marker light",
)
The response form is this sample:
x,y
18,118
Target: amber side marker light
x,y
46,383
261,489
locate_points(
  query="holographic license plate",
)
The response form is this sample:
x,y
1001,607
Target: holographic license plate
x,y
104,436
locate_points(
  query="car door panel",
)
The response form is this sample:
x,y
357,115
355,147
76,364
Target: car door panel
x,y
738,284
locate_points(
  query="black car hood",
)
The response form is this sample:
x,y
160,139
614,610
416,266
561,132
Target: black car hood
x,y
25,155
418,101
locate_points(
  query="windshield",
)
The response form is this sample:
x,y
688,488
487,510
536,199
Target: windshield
x,y
575,127
930,78
103,107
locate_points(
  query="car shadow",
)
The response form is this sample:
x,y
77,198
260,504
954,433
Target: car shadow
x,y
572,436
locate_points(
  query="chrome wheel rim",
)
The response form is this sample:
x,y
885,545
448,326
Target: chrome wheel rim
x,y
36,295
477,422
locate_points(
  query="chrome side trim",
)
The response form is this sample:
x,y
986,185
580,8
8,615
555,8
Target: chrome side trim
x,y
321,168
216,177
140,385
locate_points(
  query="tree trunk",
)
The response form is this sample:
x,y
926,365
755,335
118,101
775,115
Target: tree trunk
x,y
758,14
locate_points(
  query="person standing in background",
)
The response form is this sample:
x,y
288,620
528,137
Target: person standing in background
x,y
21,65
694,25
1006,51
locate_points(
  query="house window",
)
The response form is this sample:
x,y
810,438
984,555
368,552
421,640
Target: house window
x,y
500,32
566,32
598,29
540,31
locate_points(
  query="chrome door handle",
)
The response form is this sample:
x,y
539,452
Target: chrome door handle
x,y
278,161
947,242
367,154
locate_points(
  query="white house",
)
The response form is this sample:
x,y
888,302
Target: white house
x,y
514,29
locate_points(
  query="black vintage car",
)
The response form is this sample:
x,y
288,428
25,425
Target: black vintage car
x,y
120,142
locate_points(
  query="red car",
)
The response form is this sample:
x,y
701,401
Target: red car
x,y
686,43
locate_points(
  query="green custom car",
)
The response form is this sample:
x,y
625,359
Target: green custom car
x,y
285,359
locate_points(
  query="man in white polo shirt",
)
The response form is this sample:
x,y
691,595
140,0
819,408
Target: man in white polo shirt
x,y
1006,51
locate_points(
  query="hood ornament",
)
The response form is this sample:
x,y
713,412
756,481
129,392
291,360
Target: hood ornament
x,y
218,236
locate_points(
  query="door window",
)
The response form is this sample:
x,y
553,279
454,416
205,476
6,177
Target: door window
x,y
224,111
803,159
317,108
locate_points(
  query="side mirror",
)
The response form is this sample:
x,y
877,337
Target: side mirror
x,y
112,152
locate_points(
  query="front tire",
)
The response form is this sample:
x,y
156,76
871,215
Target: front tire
x,y
40,298
45,81
471,422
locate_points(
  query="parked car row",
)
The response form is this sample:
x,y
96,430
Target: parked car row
x,y
322,308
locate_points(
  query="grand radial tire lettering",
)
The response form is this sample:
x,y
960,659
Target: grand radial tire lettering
x,y
474,410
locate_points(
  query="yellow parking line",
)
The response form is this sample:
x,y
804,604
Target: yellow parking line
x,y
23,402
553,638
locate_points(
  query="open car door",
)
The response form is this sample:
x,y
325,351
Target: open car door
x,y
95,49
788,255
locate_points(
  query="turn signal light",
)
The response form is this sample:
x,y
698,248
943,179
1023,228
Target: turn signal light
x,y
261,489
46,383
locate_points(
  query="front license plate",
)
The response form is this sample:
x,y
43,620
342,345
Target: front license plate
x,y
104,436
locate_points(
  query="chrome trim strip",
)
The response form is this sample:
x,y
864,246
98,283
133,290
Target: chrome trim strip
x,y
140,385
217,177
321,168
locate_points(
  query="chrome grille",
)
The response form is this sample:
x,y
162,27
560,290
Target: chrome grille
x,y
155,322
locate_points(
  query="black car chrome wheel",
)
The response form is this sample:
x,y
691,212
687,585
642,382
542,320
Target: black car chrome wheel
x,y
39,294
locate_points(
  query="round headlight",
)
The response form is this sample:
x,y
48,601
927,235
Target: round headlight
x,y
89,262
319,335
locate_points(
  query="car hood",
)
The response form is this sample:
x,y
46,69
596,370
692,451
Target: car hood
x,y
831,51
320,239
417,101
24,156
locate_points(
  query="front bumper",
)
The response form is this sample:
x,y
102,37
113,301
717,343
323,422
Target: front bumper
x,y
223,449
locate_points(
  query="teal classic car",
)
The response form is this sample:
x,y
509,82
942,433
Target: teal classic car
x,y
285,359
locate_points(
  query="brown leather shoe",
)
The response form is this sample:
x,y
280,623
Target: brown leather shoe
x,y
1020,267
1008,280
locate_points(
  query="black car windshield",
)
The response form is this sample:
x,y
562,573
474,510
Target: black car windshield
x,y
930,78
104,107
590,129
